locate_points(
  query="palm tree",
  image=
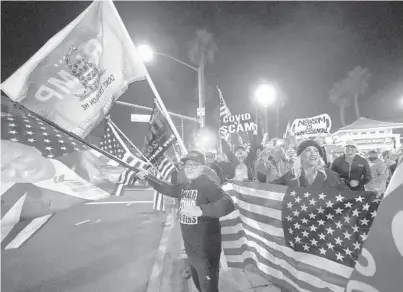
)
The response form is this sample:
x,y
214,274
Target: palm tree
x,y
338,95
357,82
202,51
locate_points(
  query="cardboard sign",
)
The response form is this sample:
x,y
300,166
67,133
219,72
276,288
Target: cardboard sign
x,y
237,123
310,127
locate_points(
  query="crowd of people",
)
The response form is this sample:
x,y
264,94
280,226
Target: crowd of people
x,y
201,201
306,164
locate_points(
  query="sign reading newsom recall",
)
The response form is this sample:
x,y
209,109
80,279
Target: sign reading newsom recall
x,y
308,127
237,123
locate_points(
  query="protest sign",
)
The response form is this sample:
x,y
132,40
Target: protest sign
x,y
310,127
237,123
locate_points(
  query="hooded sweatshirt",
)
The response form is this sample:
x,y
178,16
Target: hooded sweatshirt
x,y
201,235
380,175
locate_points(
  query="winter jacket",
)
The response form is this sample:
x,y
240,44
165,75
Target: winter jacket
x,y
227,169
218,171
200,234
331,182
358,170
249,161
380,174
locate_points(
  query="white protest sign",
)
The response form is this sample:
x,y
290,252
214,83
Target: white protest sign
x,y
310,127
237,123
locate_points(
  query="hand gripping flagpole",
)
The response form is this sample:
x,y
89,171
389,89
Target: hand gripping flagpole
x,y
78,138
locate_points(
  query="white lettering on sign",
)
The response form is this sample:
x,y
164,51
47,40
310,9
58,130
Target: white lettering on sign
x,y
309,127
237,123
245,127
188,198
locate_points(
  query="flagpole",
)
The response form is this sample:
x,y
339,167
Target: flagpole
x,y
78,138
134,146
150,82
165,111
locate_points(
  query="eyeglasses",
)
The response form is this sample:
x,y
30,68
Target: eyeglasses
x,y
192,166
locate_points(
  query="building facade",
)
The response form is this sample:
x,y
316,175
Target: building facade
x,y
371,135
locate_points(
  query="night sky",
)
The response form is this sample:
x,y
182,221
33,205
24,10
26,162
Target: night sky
x,y
304,47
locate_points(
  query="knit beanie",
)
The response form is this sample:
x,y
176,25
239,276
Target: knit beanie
x,y
306,143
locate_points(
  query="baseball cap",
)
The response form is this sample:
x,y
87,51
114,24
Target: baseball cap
x,y
350,143
196,156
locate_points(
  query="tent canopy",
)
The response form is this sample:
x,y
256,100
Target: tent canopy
x,y
364,123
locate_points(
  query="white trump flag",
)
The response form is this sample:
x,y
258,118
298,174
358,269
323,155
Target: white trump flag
x,y
75,78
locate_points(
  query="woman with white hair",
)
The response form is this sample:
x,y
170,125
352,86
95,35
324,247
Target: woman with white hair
x,y
309,170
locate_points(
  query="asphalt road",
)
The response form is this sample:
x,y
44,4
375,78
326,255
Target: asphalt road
x,y
102,248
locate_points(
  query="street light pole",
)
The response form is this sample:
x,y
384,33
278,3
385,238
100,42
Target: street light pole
x,y
200,77
266,120
148,53
266,95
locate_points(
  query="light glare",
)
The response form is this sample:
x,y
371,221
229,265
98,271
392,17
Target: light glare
x,y
146,53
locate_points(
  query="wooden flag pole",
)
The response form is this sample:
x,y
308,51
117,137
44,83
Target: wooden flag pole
x,y
78,138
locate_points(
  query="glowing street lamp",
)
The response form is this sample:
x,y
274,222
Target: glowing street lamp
x,y
401,102
266,95
146,53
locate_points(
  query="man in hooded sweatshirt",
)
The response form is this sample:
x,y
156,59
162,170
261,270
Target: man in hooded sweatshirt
x,y
379,172
202,203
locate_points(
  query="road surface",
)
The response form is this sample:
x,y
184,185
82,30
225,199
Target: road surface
x,y
103,248
108,246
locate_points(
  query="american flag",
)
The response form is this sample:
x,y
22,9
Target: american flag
x,y
224,110
32,131
300,239
114,144
159,140
20,127
164,167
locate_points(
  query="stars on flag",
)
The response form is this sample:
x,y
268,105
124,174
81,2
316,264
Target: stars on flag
x,y
330,224
29,130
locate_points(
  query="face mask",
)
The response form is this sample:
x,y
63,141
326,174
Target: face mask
x,y
372,158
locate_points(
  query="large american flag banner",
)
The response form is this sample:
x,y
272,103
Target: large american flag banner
x,y
116,145
299,239
18,200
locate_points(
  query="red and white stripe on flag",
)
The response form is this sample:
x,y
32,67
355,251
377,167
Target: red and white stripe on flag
x,y
165,167
292,239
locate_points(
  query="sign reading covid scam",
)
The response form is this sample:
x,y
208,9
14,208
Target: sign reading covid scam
x,y
237,123
309,127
